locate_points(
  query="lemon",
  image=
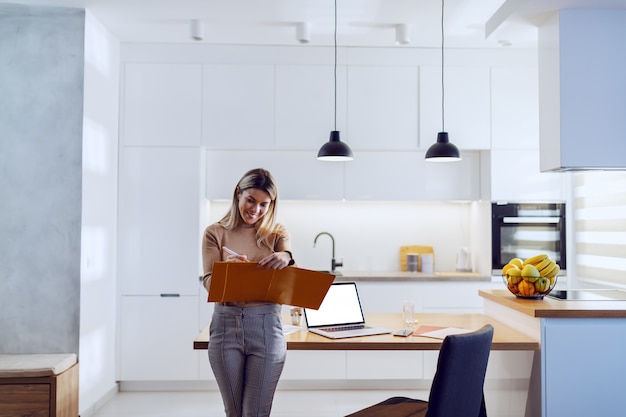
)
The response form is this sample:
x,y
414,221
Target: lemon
x,y
508,266
542,284
514,272
513,275
530,271
517,262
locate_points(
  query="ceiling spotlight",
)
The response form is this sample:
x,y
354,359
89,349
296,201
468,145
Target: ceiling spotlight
x,y
403,34
197,29
303,32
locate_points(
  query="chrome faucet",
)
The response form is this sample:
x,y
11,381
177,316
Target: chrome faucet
x,y
333,263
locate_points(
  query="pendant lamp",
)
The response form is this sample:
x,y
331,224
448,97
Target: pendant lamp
x,y
335,150
442,150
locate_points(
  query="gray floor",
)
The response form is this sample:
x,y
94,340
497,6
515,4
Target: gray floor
x,y
287,403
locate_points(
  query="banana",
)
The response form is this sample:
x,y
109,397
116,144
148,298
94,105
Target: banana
x,y
545,272
543,263
554,272
535,259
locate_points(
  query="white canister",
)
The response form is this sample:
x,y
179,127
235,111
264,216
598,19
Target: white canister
x,y
464,260
427,262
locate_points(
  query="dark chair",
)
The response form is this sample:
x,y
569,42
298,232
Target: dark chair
x,y
457,388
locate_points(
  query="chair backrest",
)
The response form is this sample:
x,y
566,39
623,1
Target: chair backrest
x,y
457,388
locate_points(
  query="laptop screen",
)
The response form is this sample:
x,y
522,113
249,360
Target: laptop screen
x,y
341,305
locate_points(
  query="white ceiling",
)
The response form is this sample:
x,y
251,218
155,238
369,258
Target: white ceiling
x,y
360,22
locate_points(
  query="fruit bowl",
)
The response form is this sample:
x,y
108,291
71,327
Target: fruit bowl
x,y
528,289
532,278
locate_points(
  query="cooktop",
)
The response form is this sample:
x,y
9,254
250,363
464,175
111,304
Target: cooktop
x,y
589,295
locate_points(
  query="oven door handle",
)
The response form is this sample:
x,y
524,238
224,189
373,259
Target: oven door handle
x,y
531,220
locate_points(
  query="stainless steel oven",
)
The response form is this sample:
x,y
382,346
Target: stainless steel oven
x,y
522,230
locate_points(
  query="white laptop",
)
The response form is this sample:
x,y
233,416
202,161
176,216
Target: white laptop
x,y
340,314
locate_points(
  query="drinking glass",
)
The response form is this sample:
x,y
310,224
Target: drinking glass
x,y
296,316
408,315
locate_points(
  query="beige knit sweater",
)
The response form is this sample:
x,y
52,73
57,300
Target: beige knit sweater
x,y
242,240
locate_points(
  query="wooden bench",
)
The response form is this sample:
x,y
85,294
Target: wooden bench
x,y
38,385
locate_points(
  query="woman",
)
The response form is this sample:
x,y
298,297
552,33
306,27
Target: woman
x,y
247,347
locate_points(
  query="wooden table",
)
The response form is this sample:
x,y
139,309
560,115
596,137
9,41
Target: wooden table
x,y
504,338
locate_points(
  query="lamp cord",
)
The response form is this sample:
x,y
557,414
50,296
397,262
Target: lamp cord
x,y
442,66
335,67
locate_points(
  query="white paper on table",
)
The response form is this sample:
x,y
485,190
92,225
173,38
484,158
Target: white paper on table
x,y
290,328
447,331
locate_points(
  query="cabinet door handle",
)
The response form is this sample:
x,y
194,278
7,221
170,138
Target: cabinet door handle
x,y
170,295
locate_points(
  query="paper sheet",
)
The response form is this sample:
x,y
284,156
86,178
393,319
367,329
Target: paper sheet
x,y
290,328
438,332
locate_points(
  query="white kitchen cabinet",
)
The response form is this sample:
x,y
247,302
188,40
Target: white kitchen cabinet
x,y
205,309
455,297
352,365
314,365
516,177
515,154
380,365
515,108
159,220
205,312
156,335
370,176
161,104
300,176
383,107
238,106
428,296
407,176
467,106
388,297
305,105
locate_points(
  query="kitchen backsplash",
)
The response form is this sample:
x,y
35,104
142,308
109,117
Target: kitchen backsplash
x,y
368,235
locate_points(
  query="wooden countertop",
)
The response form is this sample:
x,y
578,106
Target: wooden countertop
x,y
551,308
504,338
396,276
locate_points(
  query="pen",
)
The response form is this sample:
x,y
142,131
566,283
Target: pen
x,y
230,251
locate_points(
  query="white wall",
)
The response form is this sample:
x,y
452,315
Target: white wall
x,y
99,217
368,235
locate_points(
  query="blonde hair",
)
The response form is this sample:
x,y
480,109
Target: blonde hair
x,y
263,180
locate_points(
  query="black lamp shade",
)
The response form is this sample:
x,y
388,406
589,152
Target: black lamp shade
x,y
335,149
443,150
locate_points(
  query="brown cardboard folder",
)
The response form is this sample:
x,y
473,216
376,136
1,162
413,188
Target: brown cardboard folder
x,y
245,281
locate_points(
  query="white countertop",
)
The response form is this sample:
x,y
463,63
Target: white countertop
x,y
342,275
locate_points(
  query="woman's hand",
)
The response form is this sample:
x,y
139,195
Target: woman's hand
x,y
232,256
236,258
277,260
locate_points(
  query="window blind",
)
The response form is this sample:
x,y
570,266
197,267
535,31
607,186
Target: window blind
x,y
600,227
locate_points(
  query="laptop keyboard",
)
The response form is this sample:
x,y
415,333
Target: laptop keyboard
x,y
342,328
